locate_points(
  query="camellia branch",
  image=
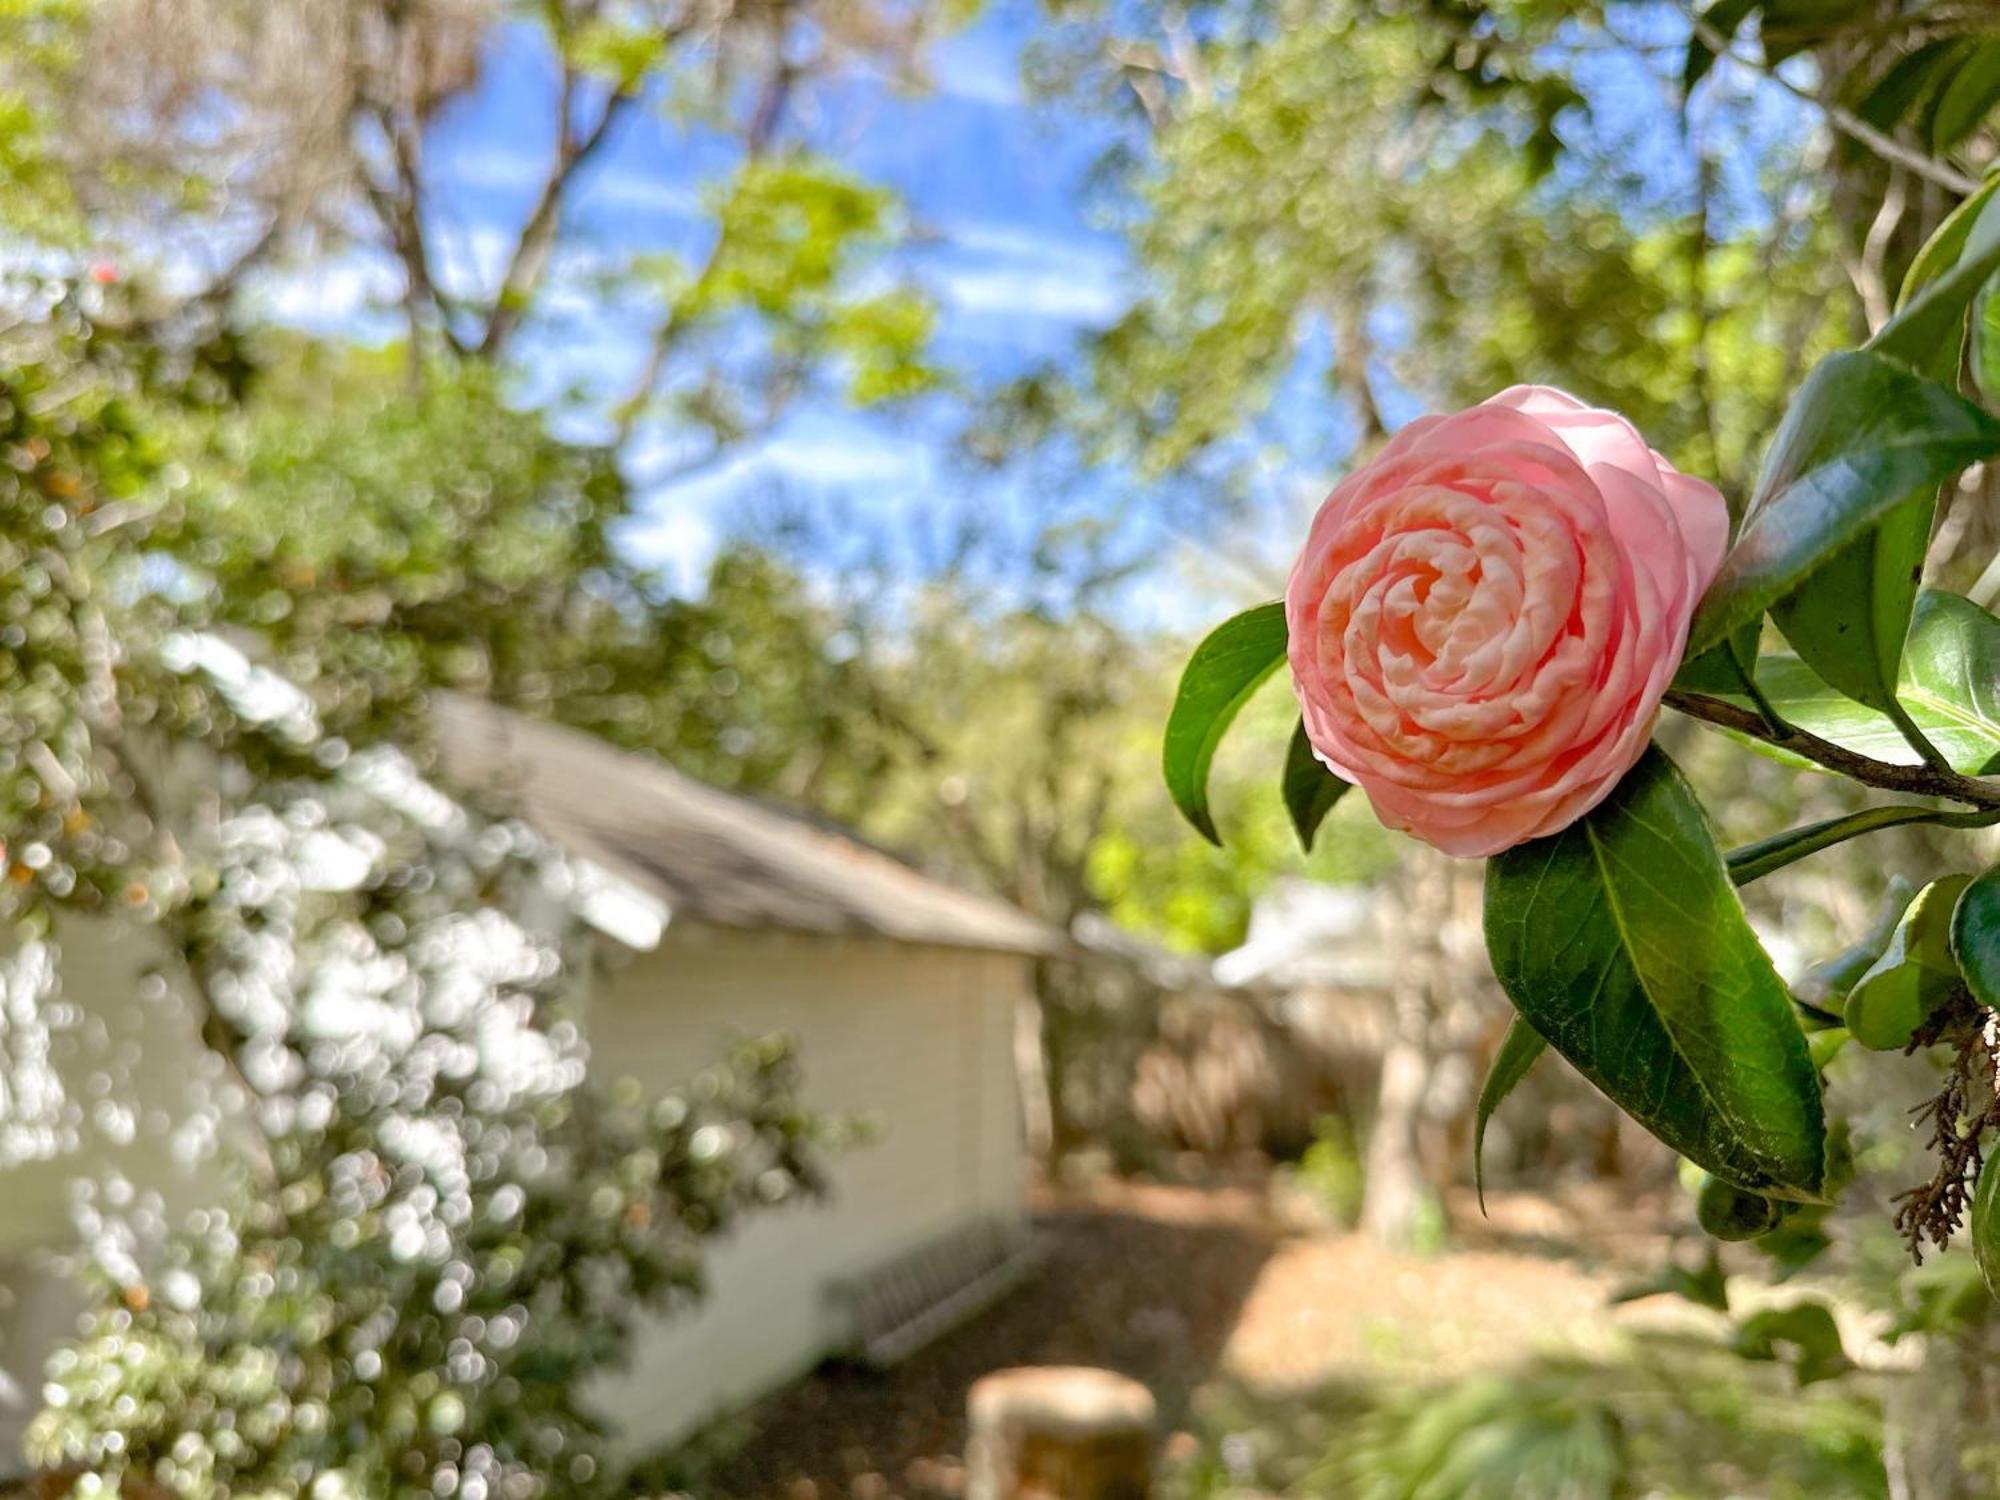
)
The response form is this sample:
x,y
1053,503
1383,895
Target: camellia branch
x,y
1919,781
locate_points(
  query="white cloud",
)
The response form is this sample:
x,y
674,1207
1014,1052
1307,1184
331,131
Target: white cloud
x,y
966,69
679,537
1068,295
683,524
639,192
1005,271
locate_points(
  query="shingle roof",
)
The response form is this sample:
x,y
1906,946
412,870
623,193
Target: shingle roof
x,y
711,855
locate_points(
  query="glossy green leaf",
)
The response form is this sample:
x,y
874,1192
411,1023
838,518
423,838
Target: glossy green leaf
x,y
1848,620
1984,357
1915,974
1729,666
1927,333
1310,788
1225,670
1621,941
1975,937
1947,243
1862,436
1826,984
1967,99
1950,687
1984,1225
1520,1050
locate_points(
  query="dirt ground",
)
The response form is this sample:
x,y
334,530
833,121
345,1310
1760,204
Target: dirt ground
x,y
1185,1287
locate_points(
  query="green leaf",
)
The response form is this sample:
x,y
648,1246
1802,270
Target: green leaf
x,y
1848,620
1729,666
1826,984
1942,250
1520,1050
1225,670
1928,332
1968,99
1950,687
1621,941
1914,976
1975,937
1705,1286
1985,340
1862,436
1905,91
1985,1225
1310,788
1807,1327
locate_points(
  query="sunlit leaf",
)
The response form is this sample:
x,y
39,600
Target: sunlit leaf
x,y
1942,250
1808,1329
1225,670
1622,942
1862,436
1915,974
1950,687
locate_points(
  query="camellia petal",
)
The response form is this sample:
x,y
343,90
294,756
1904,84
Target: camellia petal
x,y
1484,617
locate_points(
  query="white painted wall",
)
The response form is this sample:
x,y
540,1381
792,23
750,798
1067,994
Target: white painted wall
x,y
109,1019
920,1037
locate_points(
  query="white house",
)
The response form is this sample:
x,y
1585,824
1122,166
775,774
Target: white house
x,y
732,919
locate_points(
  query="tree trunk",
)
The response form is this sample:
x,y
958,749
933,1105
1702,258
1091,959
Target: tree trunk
x,y
1394,1187
1397,1185
1059,1433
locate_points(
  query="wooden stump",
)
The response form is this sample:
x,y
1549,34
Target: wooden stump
x,y
1059,1433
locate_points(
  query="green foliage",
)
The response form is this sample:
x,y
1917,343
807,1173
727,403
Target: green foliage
x,y
1975,938
1803,1335
385,538
1665,1415
1947,688
1863,435
1661,994
1331,1169
1914,976
1225,670
1984,1226
1520,1049
1310,790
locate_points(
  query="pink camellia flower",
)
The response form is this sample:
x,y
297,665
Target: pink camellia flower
x,y
1486,614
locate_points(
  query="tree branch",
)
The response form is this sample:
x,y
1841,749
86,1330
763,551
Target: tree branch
x,y
1845,121
530,260
1921,781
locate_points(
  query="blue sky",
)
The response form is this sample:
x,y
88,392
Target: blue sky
x,y
998,192
994,189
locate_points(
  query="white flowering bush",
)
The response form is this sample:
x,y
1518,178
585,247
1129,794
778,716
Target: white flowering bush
x,y
436,1230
